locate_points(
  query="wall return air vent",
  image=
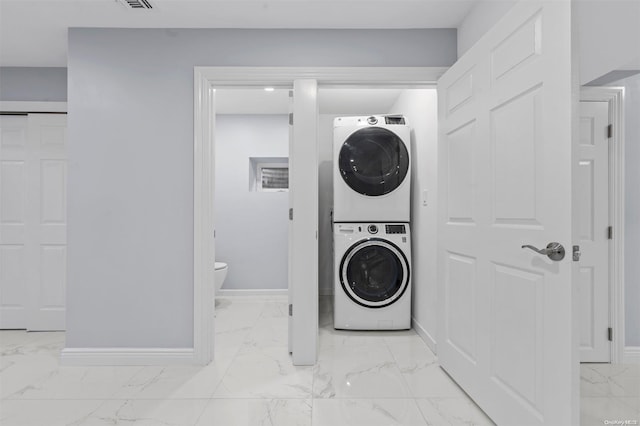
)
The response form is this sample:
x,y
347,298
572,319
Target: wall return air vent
x,y
137,4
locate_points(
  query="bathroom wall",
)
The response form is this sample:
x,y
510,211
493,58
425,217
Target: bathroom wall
x,y
251,227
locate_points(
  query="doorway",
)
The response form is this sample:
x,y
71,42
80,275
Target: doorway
x,y
251,220
305,291
601,224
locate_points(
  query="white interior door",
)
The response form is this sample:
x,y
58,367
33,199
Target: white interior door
x,y
48,210
303,202
506,326
593,217
14,257
34,203
290,260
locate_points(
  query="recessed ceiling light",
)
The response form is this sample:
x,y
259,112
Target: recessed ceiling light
x,y
269,89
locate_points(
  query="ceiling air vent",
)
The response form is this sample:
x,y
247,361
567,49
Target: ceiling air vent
x,y
137,4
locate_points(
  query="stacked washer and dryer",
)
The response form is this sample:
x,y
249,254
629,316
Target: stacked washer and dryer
x,y
371,233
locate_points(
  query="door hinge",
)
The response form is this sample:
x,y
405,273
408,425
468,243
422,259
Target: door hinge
x,y
290,309
290,119
610,131
610,233
291,213
610,334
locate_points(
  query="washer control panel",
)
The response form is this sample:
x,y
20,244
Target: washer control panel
x,y
395,229
362,229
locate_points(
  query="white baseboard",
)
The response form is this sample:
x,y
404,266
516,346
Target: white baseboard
x,y
223,292
426,336
126,356
631,355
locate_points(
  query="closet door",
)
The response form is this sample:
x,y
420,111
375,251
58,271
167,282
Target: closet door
x,y
47,180
33,200
14,249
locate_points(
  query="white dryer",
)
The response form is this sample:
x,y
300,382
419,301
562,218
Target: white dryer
x,y
372,276
372,169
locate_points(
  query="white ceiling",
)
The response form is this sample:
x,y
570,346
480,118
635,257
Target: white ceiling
x,y
34,32
341,101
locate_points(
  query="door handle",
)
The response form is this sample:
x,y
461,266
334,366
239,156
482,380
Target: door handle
x,y
554,251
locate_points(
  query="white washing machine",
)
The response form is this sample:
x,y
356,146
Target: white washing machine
x,y
372,169
372,276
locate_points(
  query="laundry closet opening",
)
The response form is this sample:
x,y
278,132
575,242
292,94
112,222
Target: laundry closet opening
x,y
251,201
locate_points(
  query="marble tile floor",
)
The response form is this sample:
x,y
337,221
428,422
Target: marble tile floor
x,y
361,378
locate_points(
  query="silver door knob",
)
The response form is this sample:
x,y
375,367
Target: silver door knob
x,y
554,251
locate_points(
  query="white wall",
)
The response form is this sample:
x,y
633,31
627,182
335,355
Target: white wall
x,y
420,106
130,181
251,227
480,18
608,36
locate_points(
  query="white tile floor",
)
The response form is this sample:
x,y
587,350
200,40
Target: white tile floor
x,y
361,378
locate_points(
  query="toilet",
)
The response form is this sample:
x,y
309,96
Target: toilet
x,y
220,274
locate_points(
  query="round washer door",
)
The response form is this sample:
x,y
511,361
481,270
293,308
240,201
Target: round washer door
x,y
374,273
373,161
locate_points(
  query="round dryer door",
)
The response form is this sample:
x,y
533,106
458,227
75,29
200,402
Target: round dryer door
x,y
374,273
373,161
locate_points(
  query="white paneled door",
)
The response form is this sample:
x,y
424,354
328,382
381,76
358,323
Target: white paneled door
x,y
14,249
505,328
303,229
33,219
593,218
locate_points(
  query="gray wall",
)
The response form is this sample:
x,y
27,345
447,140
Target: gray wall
x,y
251,227
130,212
33,84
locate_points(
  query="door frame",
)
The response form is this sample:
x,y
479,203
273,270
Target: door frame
x,y
40,107
614,97
205,81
